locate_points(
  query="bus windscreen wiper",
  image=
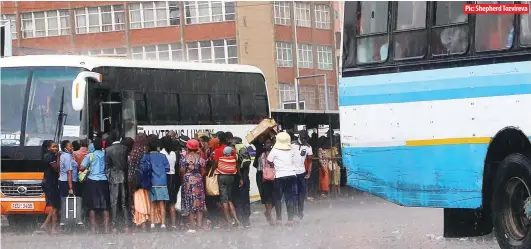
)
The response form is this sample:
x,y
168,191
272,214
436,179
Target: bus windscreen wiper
x,y
61,118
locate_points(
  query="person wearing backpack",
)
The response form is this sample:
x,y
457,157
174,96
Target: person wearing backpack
x,y
154,166
96,195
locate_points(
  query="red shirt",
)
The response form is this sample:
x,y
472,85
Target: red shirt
x,y
219,152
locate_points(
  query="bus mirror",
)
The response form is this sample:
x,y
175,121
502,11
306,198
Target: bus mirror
x,y
79,87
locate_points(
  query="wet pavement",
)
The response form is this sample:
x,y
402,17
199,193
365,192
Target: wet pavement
x,y
359,221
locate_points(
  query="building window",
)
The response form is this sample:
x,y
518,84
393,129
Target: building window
x,y
217,51
322,16
308,94
106,51
302,15
525,29
154,14
100,19
450,29
45,23
305,56
286,92
373,39
324,58
282,12
284,54
495,31
332,98
12,18
163,52
198,12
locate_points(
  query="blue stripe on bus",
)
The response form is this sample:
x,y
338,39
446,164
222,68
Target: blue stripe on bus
x,y
444,176
439,74
441,84
429,95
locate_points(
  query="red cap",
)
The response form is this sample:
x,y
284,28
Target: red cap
x,y
192,144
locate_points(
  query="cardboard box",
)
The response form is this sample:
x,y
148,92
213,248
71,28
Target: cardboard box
x,y
265,125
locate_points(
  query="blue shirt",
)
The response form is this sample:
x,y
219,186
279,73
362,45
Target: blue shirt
x,y
97,165
67,163
159,166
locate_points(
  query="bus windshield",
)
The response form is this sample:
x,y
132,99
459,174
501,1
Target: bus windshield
x,y
43,103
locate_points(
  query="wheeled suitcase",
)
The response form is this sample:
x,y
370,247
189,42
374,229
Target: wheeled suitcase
x,y
71,211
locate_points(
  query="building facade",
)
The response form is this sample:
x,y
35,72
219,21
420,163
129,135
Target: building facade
x,y
283,39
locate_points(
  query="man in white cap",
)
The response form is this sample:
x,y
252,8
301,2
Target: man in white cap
x,y
285,176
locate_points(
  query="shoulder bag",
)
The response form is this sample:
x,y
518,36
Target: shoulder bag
x,y
212,186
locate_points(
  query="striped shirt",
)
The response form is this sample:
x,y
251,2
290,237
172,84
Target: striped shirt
x,y
226,166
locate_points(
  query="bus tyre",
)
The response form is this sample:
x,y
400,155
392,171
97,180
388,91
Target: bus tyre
x,y
510,200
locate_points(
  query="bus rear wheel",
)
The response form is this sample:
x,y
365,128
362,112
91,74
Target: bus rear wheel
x,y
512,203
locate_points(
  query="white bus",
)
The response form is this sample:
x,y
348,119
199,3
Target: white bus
x,y
90,95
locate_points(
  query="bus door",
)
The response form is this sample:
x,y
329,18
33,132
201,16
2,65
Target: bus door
x,y
108,111
128,114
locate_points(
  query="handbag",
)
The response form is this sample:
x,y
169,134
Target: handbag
x,y
82,176
212,186
268,171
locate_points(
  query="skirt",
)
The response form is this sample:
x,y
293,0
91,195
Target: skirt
x,y
159,193
142,208
265,188
96,195
173,187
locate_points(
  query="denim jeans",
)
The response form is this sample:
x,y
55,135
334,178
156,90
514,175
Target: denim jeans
x,y
285,186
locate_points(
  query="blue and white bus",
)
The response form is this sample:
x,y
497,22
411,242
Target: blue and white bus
x,y
434,112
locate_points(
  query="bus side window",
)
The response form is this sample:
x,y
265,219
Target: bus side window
x,y
525,28
373,44
225,108
164,107
494,31
411,21
141,108
195,108
450,31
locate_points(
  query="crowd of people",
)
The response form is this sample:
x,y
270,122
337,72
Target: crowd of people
x,y
135,183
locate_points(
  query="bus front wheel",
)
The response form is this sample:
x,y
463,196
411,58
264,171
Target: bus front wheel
x,y
512,203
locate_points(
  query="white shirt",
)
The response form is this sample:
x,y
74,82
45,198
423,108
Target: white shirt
x,y
172,159
298,160
283,161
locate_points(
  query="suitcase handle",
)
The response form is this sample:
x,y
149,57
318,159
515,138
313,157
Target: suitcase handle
x,y
66,202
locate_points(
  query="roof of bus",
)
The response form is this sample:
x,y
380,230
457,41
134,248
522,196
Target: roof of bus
x,y
90,63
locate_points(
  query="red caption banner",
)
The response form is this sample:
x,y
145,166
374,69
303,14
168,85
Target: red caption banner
x,y
496,9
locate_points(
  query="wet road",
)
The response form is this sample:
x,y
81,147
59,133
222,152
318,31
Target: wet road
x,y
362,221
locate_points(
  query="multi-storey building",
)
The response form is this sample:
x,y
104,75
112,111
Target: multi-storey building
x,y
284,39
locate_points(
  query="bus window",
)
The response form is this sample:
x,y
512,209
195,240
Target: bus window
x,y
141,108
494,31
372,18
253,107
13,89
225,108
195,108
450,32
411,20
164,107
45,103
525,29
349,34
